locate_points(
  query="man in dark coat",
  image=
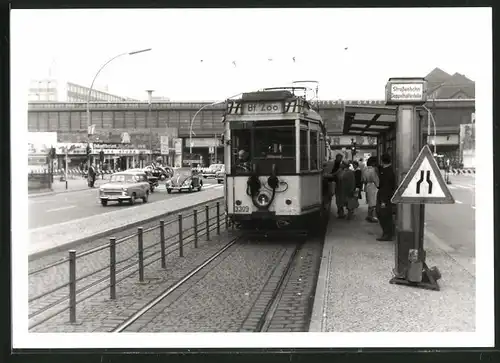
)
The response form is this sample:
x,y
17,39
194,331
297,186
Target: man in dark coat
x,y
386,190
91,176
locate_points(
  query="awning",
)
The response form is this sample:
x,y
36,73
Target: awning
x,y
368,120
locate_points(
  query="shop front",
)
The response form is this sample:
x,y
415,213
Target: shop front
x,y
202,152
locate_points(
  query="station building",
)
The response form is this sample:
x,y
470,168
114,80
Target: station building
x,y
131,133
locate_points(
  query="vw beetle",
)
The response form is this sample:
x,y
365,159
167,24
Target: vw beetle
x,y
184,179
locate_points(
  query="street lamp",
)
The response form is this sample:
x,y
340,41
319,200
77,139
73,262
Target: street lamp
x,y
92,85
191,126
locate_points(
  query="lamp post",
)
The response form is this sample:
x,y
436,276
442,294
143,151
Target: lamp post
x,y
148,121
89,122
191,125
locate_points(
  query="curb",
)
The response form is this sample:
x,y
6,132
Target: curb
x,y
35,195
44,194
316,320
75,243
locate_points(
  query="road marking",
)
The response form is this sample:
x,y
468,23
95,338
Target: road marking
x,y
437,241
212,186
31,201
61,208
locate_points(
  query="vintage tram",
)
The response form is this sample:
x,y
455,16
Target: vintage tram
x,y
275,151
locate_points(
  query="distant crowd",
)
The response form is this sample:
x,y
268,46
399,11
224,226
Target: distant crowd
x,y
378,182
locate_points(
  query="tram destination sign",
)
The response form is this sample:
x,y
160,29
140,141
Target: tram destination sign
x,y
406,91
255,108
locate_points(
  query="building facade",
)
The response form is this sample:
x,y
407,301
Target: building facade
x,y
53,90
145,125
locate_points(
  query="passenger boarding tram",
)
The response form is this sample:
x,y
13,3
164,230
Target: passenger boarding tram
x,y
275,150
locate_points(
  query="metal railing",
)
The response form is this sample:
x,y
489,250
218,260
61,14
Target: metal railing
x,y
116,271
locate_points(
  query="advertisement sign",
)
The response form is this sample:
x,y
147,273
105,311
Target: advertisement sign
x,y
41,142
205,142
345,140
178,146
164,149
468,145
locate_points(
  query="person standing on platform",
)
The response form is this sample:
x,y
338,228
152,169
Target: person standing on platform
x,y
371,181
386,190
348,184
358,179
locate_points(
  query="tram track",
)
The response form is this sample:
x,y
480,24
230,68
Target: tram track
x,y
155,308
159,299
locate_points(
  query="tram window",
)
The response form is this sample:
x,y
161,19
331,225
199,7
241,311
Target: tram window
x,y
241,150
314,150
304,155
273,143
274,147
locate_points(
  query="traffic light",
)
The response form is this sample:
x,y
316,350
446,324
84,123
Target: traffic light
x,y
101,156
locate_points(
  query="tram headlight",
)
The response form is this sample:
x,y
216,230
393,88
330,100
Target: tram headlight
x,y
263,199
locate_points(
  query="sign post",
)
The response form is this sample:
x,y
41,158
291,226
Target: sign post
x,y
419,180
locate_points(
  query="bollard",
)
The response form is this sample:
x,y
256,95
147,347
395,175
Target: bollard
x,y
112,268
181,247
207,221
140,253
217,207
195,221
72,286
162,244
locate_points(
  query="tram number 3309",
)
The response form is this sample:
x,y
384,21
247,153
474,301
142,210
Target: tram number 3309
x,y
262,107
241,208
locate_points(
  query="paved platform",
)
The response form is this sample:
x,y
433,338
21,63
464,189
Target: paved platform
x,y
63,234
354,294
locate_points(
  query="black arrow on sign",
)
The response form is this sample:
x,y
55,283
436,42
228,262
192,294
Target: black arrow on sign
x,y
420,181
428,180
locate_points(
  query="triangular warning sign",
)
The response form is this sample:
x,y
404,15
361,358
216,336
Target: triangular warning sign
x,y
423,183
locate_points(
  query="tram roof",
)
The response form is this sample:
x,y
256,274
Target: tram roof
x,y
368,120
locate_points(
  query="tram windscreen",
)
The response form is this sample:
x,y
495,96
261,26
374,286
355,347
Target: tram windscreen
x,y
264,145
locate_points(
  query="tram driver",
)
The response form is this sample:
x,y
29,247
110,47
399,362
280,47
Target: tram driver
x,y
243,161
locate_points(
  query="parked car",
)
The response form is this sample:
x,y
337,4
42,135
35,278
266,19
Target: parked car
x,y
152,179
184,179
212,170
221,175
125,186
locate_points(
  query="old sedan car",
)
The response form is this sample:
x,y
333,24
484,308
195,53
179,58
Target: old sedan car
x,y
220,175
125,186
184,179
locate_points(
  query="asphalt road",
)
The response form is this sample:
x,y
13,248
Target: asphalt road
x,y
452,227
63,207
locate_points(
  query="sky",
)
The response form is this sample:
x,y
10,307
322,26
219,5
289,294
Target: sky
x,y
215,54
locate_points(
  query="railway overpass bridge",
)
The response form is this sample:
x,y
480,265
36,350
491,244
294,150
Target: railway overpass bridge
x,y
144,124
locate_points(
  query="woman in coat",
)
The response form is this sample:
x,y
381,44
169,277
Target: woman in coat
x,y
371,182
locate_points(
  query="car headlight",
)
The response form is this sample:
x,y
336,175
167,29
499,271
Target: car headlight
x,y
125,189
186,183
101,190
